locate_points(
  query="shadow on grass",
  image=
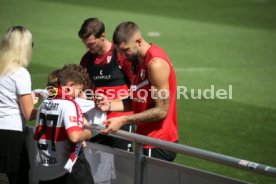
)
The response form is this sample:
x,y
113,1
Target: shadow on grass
x,y
230,128
218,123
243,13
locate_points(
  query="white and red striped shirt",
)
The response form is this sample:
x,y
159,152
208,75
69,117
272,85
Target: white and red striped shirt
x,y
56,118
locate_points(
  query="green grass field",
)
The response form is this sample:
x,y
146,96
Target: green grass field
x,y
214,42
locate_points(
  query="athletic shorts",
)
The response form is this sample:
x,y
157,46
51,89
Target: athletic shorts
x,y
160,154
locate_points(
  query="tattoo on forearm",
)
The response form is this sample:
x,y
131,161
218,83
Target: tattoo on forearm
x,y
156,113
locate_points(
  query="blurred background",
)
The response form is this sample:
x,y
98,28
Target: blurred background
x,y
210,42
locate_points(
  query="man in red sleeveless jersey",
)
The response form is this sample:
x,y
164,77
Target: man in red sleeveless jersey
x,y
153,91
108,73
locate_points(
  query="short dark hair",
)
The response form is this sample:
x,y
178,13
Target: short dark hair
x,y
82,70
53,78
71,73
91,26
124,32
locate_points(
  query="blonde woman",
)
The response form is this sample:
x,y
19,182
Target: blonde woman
x,y
16,102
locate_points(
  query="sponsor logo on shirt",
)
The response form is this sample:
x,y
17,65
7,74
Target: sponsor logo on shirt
x,y
140,100
73,119
100,77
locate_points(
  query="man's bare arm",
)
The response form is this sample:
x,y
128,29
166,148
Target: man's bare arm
x,y
160,94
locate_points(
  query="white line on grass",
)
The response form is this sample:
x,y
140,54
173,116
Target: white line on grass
x,y
154,34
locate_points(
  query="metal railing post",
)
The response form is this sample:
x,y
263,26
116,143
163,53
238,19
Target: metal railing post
x,y
139,160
